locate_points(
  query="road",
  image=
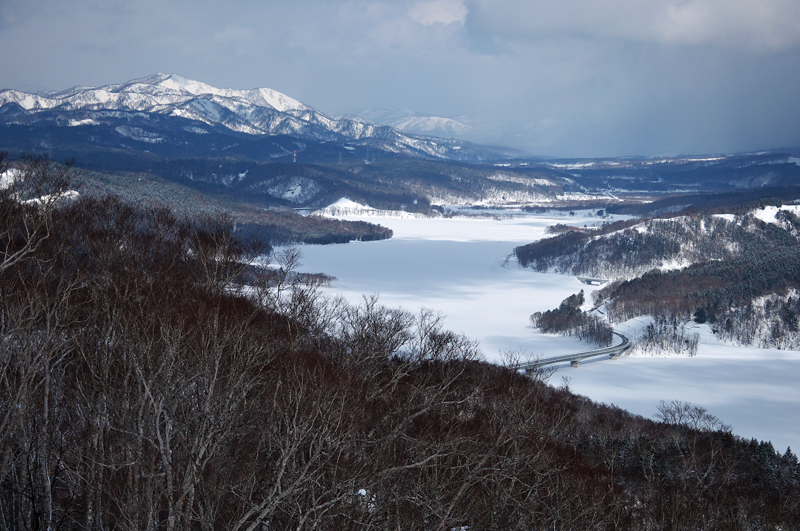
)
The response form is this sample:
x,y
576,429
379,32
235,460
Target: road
x,y
575,359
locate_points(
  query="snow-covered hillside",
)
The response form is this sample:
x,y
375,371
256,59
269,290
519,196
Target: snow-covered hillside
x,y
345,207
663,244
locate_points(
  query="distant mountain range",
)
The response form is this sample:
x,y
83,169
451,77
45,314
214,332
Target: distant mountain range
x,y
265,149
167,110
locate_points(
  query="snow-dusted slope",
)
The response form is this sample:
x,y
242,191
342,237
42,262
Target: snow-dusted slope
x,y
664,243
411,122
345,207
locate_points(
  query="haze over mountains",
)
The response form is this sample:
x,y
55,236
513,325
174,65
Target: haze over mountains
x,y
414,122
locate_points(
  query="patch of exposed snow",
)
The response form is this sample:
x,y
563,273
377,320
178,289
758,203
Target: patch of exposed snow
x,y
674,265
87,121
576,196
346,208
347,204
767,214
9,177
280,101
573,166
139,134
68,196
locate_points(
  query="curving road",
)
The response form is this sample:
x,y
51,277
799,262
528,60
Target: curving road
x,y
612,352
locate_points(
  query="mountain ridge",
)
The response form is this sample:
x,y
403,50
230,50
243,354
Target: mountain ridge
x,y
255,112
268,149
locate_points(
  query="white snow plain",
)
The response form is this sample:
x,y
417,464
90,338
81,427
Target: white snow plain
x,y
462,268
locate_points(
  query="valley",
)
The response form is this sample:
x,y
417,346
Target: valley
x,y
457,221
263,148
228,310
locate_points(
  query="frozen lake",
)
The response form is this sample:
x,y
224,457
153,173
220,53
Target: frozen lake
x,y
457,267
460,267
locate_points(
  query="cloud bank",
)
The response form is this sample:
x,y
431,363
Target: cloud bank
x,y
577,78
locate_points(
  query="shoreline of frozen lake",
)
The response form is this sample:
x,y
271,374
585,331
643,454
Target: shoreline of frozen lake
x,y
460,267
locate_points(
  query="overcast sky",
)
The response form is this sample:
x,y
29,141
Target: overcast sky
x,y
553,77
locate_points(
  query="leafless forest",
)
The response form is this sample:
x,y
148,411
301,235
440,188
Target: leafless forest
x,y
149,380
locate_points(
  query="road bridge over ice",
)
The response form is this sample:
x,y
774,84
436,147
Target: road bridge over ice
x,y
612,352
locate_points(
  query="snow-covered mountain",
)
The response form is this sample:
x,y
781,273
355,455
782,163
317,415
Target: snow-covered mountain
x,y
157,93
257,112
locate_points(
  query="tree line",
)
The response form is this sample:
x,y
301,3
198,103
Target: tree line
x,y
666,335
568,319
151,380
285,227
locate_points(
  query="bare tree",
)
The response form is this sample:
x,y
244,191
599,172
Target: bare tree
x,y
29,193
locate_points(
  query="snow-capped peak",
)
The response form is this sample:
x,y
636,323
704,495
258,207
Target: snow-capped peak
x,y
280,101
261,97
147,92
178,83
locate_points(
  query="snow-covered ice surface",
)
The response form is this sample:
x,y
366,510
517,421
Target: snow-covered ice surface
x,y
459,266
754,390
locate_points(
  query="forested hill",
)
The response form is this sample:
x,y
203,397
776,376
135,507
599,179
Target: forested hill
x,y
630,248
273,226
145,385
739,271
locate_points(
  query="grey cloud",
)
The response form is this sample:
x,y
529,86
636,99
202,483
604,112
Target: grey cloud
x,y
756,25
556,78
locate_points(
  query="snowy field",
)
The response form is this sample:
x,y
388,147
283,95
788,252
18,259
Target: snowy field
x,y
461,267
